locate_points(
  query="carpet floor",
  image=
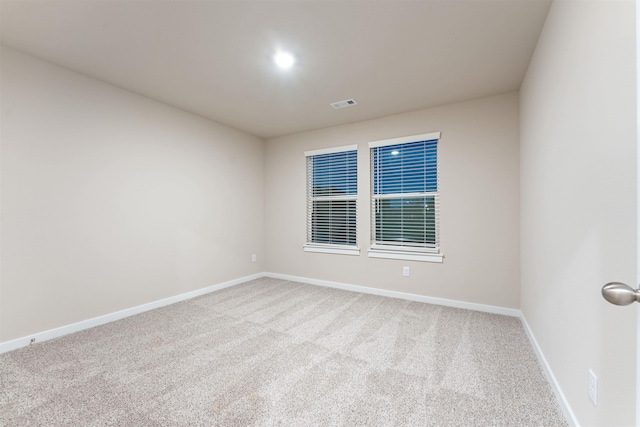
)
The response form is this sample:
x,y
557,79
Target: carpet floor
x,y
276,353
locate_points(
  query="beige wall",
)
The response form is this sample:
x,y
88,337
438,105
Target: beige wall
x,y
479,204
111,200
578,202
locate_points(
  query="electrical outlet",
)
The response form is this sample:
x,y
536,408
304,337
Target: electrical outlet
x,y
593,388
405,271
253,258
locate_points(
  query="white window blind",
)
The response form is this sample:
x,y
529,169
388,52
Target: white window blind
x,y
405,201
332,192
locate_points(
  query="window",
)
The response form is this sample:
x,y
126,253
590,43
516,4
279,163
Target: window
x,y
405,198
332,192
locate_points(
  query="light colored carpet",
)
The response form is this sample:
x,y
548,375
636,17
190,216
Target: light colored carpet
x,y
271,352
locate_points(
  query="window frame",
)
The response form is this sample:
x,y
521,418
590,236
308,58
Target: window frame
x,y
310,246
410,253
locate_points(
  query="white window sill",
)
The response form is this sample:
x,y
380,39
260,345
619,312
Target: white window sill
x,y
408,256
340,250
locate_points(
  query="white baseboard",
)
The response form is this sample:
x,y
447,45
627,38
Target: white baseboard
x,y
111,317
401,295
560,397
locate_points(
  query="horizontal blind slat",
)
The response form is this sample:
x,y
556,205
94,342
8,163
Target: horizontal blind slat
x,y
405,198
331,198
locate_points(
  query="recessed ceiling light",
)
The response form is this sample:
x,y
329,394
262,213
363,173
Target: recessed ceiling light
x,y
284,59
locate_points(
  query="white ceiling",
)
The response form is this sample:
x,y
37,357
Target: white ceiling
x,y
213,58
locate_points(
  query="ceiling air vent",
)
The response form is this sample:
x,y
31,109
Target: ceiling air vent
x,y
345,103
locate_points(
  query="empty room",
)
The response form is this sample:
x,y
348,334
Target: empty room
x,y
319,213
